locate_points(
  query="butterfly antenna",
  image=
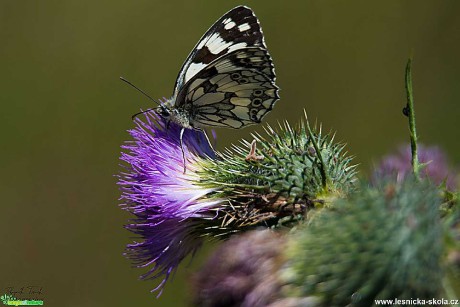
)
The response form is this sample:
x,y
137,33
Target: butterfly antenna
x,y
141,91
141,112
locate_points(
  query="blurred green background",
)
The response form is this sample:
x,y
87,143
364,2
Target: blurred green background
x,y
64,113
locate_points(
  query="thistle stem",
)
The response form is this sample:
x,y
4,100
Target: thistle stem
x,y
410,113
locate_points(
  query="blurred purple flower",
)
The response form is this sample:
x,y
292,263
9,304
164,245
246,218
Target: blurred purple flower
x,y
167,203
243,271
399,165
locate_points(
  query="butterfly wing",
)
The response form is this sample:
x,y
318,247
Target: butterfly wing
x,y
237,29
235,90
228,80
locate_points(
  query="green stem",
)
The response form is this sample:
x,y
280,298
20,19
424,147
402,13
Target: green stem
x,y
411,114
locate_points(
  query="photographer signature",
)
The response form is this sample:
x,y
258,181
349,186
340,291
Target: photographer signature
x,y
27,290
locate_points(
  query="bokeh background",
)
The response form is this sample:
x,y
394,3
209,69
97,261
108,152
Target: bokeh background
x,y
64,114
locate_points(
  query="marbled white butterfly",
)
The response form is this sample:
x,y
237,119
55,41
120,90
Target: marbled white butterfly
x,y
228,79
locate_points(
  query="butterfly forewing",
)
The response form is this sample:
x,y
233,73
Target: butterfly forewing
x,y
228,80
238,28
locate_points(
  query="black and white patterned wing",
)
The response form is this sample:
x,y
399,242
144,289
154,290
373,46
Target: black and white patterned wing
x,y
235,90
237,29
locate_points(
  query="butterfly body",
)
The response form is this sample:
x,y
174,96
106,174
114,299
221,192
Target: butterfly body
x,y
228,79
180,117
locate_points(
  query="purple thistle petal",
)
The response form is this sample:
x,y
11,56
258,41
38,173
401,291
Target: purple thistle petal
x,y
167,203
399,165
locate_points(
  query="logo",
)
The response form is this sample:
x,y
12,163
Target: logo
x,y
17,296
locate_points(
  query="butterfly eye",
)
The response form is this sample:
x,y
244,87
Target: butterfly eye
x,y
164,113
256,102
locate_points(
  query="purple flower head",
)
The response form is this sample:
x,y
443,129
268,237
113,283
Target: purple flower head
x,y
243,271
399,165
166,202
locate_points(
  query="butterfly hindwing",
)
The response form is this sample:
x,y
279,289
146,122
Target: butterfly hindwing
x,y
237,29
235,90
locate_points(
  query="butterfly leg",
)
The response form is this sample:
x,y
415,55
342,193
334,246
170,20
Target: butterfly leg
x,y
207,139
182,146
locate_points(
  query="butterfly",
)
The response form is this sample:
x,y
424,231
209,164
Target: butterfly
x,y
228,80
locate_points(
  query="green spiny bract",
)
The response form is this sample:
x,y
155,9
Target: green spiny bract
x,y
382,242
277,182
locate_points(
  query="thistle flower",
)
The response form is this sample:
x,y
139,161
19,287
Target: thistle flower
x,y
436,168
220,194
165,200
380,243
242,271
